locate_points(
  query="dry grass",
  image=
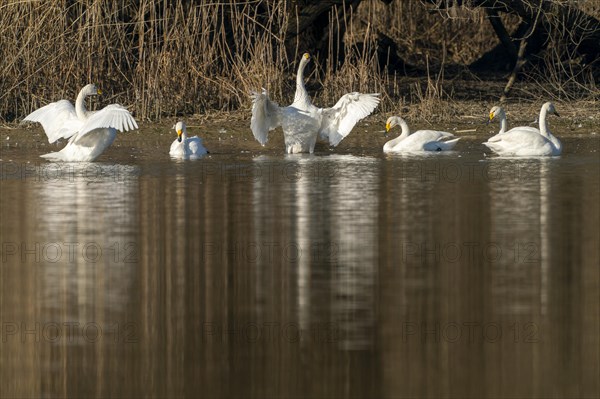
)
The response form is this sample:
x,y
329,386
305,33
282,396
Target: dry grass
x,y
162,58
156,57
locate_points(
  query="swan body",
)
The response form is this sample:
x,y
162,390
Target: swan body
x,y
302,122
525,140
185,147
421,140
89,133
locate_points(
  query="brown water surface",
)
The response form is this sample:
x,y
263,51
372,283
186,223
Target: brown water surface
x,y
345,273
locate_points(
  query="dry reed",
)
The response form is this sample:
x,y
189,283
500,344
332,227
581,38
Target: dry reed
x,y
162,58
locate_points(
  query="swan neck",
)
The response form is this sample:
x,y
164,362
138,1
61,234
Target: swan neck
x,y
503,126
543,123
405,133
405,129
301,93
80,109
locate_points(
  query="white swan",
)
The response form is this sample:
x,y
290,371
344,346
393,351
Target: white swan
x,y
302,122
499,114
421,140
184,147
527,141
90,132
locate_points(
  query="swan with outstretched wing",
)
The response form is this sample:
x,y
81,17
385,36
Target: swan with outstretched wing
x,y
89,132
302,122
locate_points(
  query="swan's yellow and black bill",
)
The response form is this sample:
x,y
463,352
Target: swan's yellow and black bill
x,y
99,92
388,126
306,56
179,132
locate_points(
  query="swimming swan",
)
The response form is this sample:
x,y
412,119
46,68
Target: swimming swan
x,y
527,141
421,140
184,147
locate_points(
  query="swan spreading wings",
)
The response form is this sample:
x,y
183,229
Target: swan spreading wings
x,y
302,122
421,140
89,133
525,140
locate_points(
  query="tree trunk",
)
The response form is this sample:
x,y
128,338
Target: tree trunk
x,y
309,28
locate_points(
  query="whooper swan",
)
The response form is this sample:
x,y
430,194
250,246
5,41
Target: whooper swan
x,y
526,141
184,147
302,122
90,132
421,140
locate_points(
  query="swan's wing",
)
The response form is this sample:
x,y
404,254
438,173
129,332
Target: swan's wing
x,y
339,120
58,119
195,146
431,135
265,116
529,129
517,140
428,140
112,116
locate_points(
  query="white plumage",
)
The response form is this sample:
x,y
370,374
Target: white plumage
x,y
185,147
526,141
89,133
421,140
302,122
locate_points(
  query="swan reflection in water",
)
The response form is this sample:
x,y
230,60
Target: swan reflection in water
x,y
519,209
88,231
333,239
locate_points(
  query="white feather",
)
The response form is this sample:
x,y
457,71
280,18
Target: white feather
x,y
114,116
58,119
265,116
339,120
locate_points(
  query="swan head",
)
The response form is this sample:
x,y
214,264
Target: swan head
x,y
550,108
496,113
391,122
91,90
180,129
305,58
